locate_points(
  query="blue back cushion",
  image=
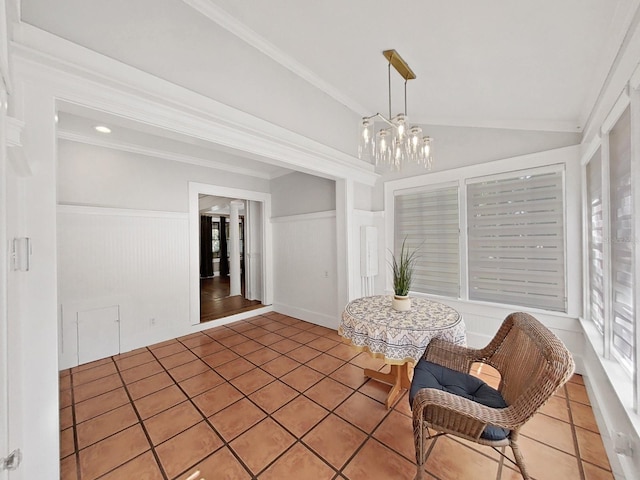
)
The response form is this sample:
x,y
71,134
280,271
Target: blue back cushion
x,y
431,375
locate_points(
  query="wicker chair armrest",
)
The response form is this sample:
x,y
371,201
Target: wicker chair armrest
x,y
451,355
458,414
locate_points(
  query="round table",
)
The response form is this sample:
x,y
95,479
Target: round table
x,y
400,338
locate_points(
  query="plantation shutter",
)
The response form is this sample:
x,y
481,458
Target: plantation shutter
x,y
429,220
622,232
595,225
516,240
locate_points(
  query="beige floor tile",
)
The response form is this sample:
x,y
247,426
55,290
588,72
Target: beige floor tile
x,y
396,432
142,467
551,431
222,465
95,373
95,388
187,449
329,393
237,418
280,366
325,363
179,358
262,444
377,462
301,462
104,456
104,425
362,411
334,440
349,375
273,396
135,360
591,448
149,385
214,400
166,424
302,378
300,415
251,381
141,371
102,403
159,401
451,460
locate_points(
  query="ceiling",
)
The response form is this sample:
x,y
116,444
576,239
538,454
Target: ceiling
x,y
529,64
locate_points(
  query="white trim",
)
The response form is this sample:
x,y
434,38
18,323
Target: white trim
x,y
303,217
567,126
118,212
194,241
553,168
634,81
81,76
307,315
635,195
246,34
616,111
163,154
590,149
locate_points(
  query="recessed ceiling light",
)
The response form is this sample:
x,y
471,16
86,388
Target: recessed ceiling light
x,y
102,129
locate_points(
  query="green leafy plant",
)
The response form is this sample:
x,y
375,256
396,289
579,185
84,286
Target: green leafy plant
x,y
402,268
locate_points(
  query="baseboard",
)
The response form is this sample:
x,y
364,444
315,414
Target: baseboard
x,y
321,319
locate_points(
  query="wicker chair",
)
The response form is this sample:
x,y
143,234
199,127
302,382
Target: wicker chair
x,y
533,364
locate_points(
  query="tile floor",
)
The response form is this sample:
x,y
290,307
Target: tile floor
x,y
274,397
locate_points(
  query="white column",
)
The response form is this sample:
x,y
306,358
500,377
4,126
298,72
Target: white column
x,y
234,247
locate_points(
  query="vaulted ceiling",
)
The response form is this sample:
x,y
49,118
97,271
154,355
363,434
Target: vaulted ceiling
x,y
526,65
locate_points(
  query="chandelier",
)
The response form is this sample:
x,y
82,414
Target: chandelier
x,y
398,144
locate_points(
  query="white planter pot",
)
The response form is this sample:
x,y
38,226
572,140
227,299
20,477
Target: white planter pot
x,y
401,303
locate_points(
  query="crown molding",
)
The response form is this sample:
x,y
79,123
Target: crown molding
x,y
78,75
155,153
249,36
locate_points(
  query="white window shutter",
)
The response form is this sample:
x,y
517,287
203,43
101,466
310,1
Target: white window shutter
x,y
622,232
429,220
516,239
595,220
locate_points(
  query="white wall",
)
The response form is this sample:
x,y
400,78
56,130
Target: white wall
x,y
98,176
123,240
137,260
298,193
458,147
305,267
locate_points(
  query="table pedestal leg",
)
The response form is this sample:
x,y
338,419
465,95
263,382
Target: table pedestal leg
x,y
398,378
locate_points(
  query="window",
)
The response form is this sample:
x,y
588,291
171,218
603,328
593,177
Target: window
x,y
621,234
516,239
215,239
595,240
429,220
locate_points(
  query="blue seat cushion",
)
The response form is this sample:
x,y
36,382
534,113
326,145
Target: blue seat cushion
x,y
431,375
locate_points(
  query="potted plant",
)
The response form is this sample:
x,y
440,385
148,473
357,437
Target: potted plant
x,y
402,268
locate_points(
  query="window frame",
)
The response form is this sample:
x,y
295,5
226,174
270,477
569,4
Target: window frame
x,y
565,157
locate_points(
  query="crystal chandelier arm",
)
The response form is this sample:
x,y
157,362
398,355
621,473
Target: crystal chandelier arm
x,y
380,116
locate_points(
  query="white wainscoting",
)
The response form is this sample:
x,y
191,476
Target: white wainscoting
x,y
137,261
305,267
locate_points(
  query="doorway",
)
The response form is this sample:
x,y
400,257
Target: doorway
x,y
230,251
222,242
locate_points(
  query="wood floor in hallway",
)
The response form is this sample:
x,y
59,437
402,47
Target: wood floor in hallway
x,y
215,301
